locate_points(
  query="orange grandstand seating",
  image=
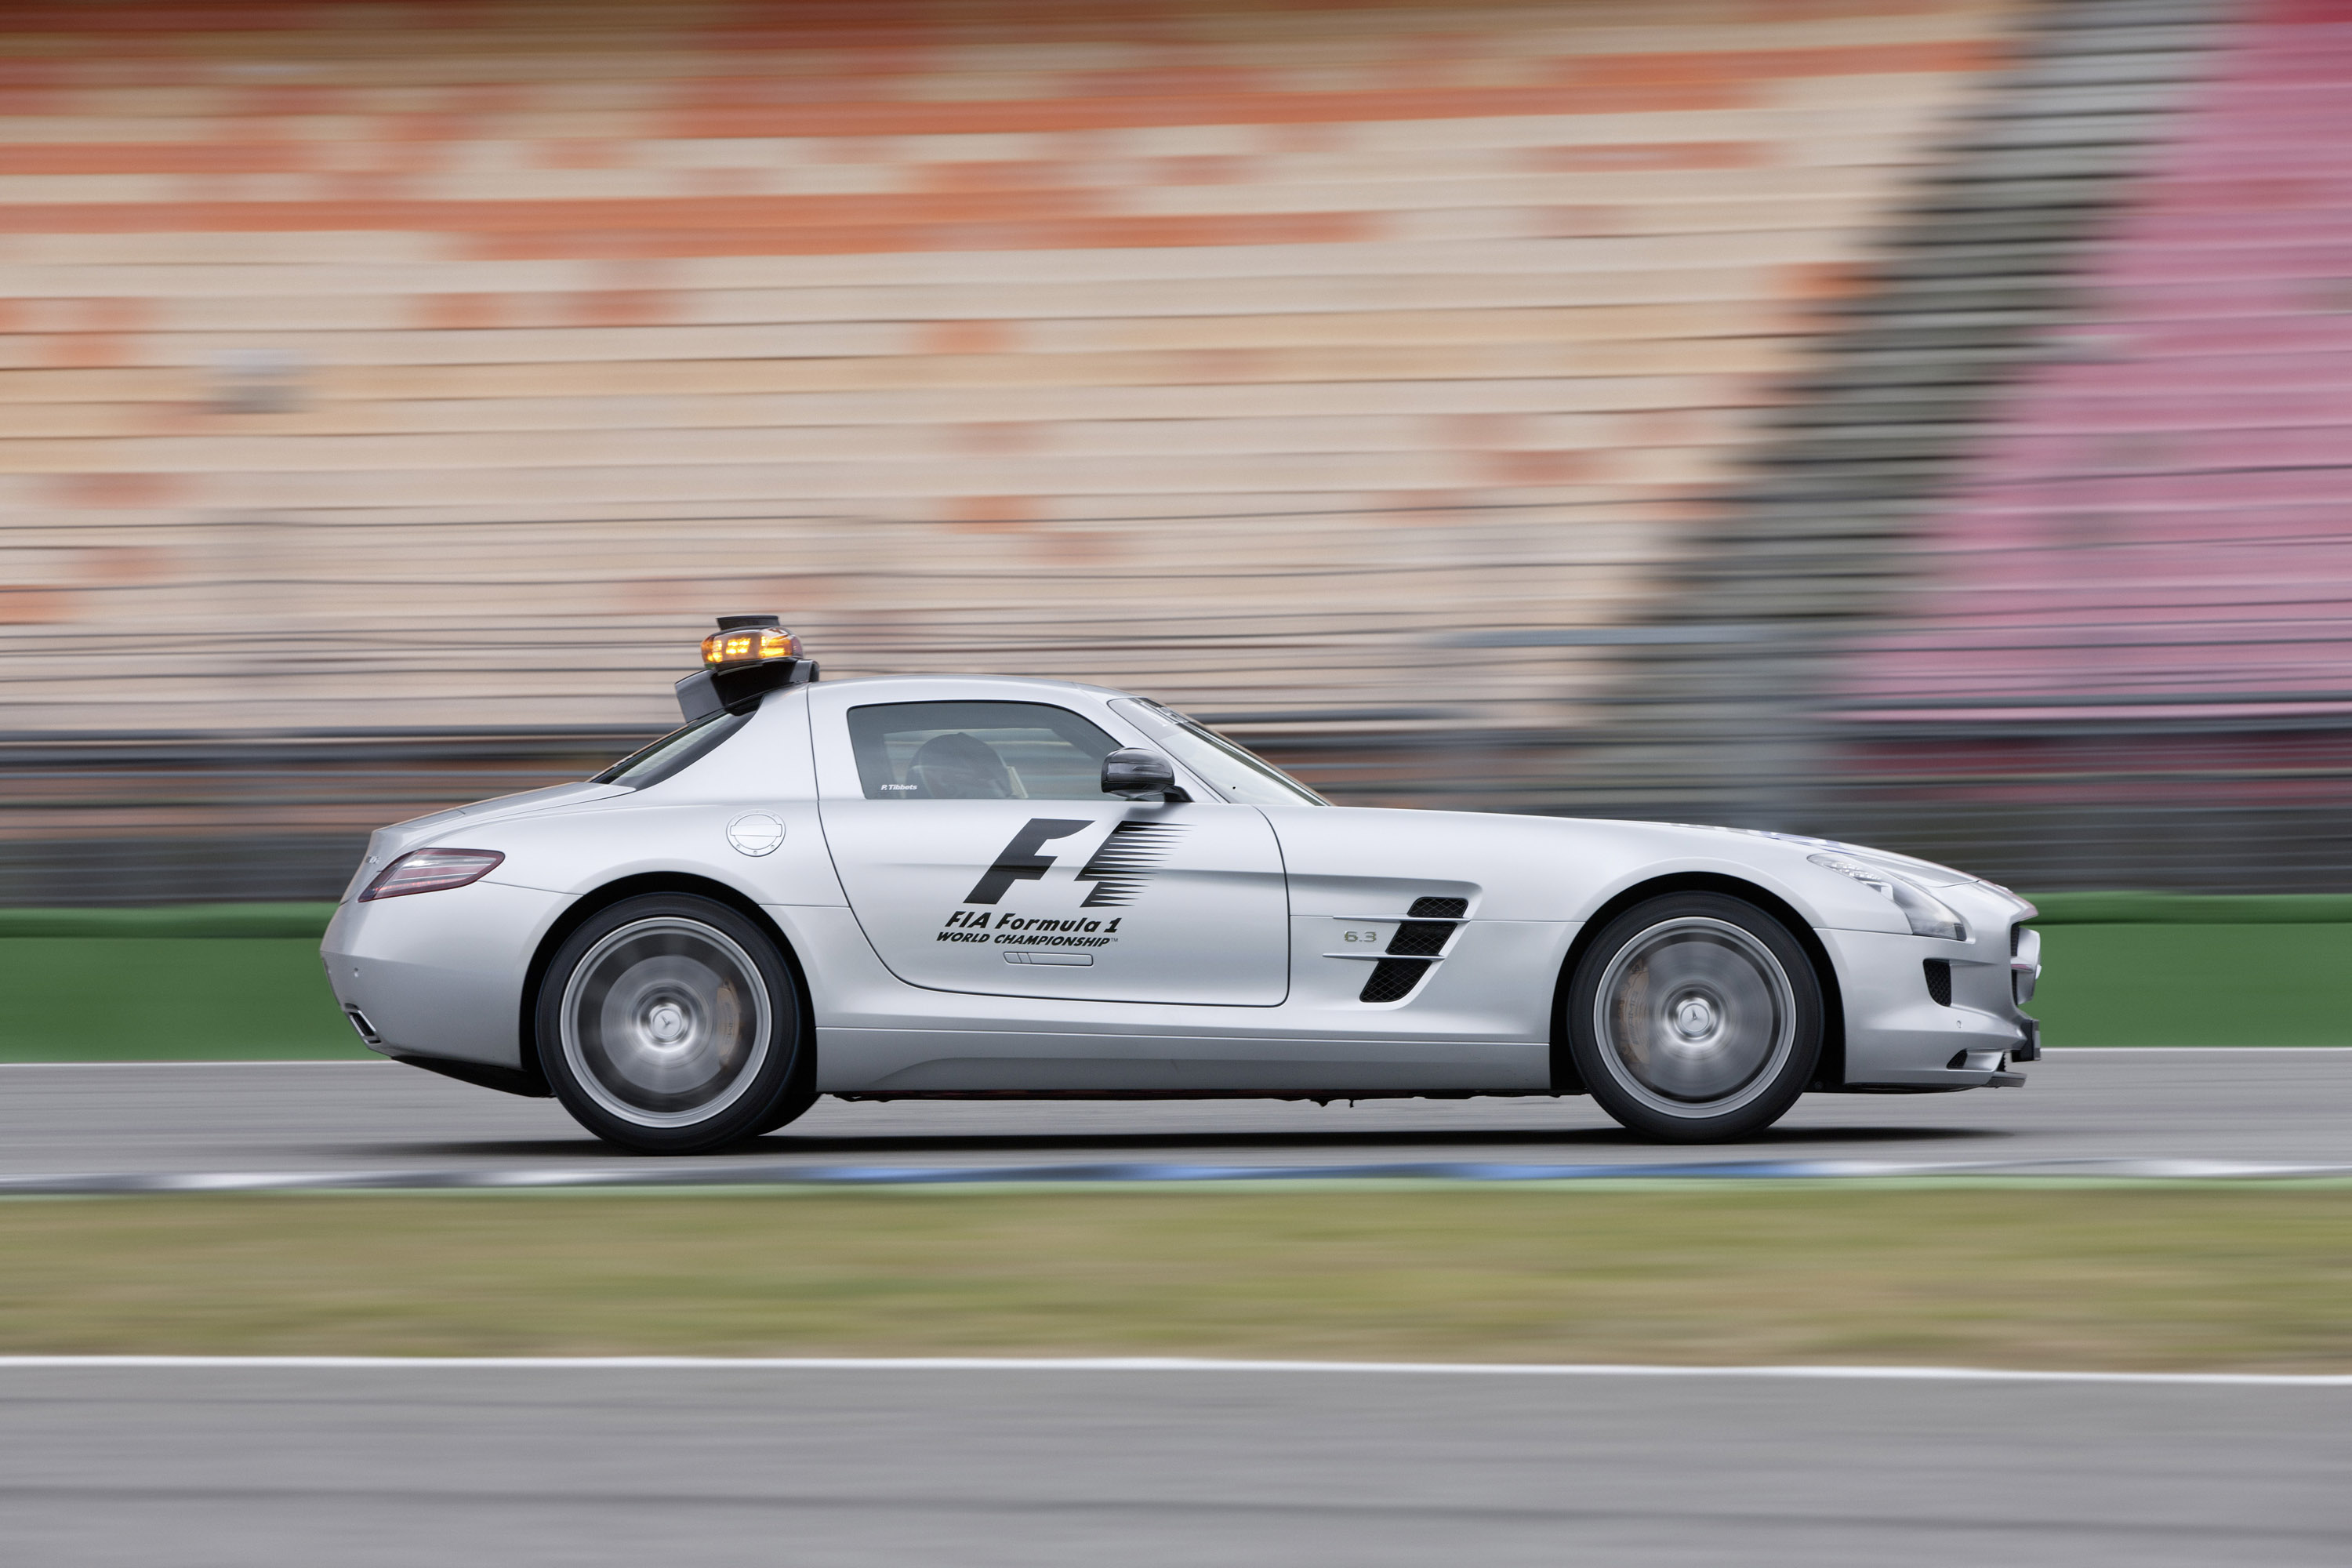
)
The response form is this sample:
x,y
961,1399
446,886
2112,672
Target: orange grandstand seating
x,y
371,367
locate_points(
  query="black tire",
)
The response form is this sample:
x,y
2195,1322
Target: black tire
x,y
1696,1019
670,1024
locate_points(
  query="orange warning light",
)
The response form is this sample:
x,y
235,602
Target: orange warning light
x,y
749,645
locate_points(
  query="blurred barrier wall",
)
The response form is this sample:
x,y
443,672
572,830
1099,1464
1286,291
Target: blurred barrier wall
x,y
393,392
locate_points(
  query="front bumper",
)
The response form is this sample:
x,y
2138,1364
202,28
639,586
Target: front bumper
x,y
1900,1036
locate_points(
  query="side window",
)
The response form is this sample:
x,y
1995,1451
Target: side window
x,y
673,752
977,750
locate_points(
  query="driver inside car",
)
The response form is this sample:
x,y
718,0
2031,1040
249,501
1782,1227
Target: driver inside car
x,y
957,766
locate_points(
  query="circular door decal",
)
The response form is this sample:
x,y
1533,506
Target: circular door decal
x,y
755,832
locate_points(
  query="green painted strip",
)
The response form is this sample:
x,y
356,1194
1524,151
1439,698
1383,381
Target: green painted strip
x,y
146,998
2192,909
172,921
309,920
2121,969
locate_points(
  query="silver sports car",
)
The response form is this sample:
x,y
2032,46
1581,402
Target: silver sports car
x,y
961,887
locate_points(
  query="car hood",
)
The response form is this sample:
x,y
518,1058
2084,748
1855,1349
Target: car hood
x,y
1927,873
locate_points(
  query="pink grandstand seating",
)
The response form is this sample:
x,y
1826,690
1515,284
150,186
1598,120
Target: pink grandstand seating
x,y
2159,523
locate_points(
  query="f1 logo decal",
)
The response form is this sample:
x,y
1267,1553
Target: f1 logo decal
x,y
1018,860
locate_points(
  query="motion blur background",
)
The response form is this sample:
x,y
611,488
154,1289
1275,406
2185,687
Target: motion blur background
x,y
1917,421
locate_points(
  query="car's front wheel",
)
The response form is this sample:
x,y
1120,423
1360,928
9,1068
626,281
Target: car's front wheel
x,y
670,1024
1695,1018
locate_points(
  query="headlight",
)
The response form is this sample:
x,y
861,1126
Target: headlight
x,y
1929,915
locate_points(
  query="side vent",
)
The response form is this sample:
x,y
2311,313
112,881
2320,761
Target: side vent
x,y
1939,980
1420,939
1437,910
1393,979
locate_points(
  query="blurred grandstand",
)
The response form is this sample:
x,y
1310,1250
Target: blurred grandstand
x,y
2128,640
1909,419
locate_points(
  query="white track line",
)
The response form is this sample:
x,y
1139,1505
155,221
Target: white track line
x,y
1159,1363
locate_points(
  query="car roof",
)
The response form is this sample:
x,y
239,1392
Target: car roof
x,y
1033,685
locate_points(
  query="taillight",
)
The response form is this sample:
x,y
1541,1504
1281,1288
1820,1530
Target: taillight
x,y
431,871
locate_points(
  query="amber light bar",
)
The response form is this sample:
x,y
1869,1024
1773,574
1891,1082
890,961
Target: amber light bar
x,y
431,871
749,645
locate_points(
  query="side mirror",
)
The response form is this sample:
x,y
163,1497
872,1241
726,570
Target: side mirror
x,y
1136,774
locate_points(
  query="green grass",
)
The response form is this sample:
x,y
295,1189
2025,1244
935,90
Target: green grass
x,y
2212,1277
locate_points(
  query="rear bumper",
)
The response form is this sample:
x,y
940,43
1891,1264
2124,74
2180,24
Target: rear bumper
x,y
1898,1036
440,974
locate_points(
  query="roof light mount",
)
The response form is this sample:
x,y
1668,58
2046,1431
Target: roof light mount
x,y
746,658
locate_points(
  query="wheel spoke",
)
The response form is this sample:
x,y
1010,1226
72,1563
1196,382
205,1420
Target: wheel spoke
x,y
1694,1015
666,1021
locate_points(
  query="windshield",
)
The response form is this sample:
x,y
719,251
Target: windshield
x,y
673,752
1225,767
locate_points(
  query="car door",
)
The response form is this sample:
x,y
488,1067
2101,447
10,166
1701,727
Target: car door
x,y
979,854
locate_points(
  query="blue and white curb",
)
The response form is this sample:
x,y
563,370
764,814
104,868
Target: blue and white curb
x,y
737,1365
698,1174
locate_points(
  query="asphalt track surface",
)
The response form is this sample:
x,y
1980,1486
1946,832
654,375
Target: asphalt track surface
x,y
2251,1105
291,1468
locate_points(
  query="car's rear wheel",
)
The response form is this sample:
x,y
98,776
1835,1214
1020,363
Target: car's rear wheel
x,y
670,1024
1695,1018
